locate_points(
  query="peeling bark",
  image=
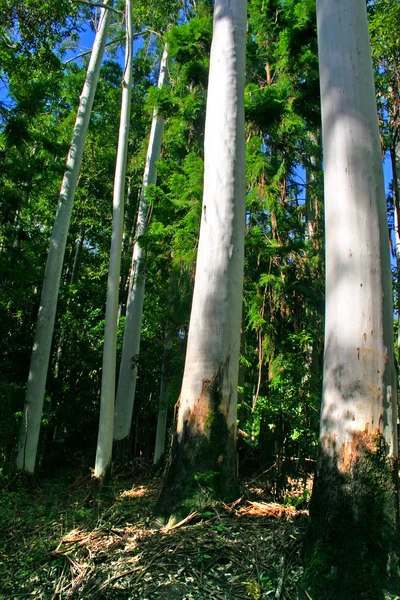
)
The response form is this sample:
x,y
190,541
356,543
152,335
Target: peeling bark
x,y
203,458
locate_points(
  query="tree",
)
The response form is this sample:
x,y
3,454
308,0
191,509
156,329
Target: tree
x,y
354,502
134,309
204,445
30,427
106,426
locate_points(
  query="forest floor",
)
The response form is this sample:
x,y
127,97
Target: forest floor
x,y
58,540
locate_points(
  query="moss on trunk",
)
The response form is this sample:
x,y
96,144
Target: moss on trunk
x,y
203,462
352,545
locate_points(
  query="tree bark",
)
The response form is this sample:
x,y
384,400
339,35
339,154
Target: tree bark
x,y
354,502
106,424
163,402
312,200
32,415
134,308
204,445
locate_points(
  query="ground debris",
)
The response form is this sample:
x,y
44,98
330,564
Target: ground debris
x,y
245,550
270,509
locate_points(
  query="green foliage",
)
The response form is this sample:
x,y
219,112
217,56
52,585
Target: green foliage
x,y
384,26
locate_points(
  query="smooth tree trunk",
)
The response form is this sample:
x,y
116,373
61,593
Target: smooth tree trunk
x,y
313,236
165,373
203,453
78,253
163,403
134,308
32,414
107,400
354,502
312,201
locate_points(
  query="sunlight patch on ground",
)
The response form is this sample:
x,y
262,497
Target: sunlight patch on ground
x,y
137,492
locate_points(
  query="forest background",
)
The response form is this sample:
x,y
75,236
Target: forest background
x,y
282,333
283,301
283,298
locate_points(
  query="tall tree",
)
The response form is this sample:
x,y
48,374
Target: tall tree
x,y
30,427
354,502
106,426
134,308
204,445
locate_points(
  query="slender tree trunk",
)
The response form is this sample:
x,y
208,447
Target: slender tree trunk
x,y
17,222
354,503
30,427
165,374
313,236
134,309
78,253
74,279
312,200
204,445
163,402
106,425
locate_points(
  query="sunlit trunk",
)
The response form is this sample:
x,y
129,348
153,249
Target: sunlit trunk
x,y
134,308
354,503
32,415
204,445
106,424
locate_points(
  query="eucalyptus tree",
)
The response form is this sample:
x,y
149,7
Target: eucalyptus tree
x,y
204,444
354,502
105,438
32,414
134,308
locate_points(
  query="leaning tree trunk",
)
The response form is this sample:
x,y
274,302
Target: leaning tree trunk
x,y
30,427
354,503
204,445
106,425
134,308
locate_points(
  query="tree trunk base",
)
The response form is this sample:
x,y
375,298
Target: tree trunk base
x,y
122,451
353,544
202,465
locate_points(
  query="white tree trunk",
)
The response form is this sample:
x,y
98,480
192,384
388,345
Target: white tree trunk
x,y
359,391
106,425
312,202
163,403
134,308
30,428
205,440
214,333
354,526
